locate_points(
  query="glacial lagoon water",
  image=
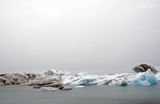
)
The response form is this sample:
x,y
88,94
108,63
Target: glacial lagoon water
x,y
87,95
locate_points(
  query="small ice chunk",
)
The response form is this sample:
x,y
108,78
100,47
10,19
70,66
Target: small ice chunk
x,y
78,86
48,89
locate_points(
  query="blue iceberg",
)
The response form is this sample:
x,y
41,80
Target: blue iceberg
x,y
143,78
122,79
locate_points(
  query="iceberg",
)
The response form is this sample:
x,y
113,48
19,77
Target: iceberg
x,y
143,78
123,79
144,68
60,79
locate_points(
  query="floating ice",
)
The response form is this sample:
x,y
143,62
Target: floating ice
x,y
54,77
144,78
123,79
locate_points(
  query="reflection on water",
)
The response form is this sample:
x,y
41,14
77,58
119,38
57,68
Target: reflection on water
x,y
87,95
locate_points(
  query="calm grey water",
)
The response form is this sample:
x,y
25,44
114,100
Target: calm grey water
x,y
87,95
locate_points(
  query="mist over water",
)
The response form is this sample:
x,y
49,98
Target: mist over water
x,y
82,35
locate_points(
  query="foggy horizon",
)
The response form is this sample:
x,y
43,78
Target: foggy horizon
x,y
109,36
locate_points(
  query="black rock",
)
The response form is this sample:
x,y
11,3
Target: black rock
x,y
144,68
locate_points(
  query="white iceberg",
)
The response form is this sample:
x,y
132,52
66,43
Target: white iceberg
x,y
60,78
123,79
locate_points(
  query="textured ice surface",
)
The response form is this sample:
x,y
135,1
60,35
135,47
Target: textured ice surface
x,y
85,79
123,79
145,78
80,79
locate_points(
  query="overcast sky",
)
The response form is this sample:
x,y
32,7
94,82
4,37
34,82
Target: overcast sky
x,y
78,35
